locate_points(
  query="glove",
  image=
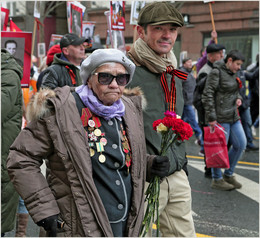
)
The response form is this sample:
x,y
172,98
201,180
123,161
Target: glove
x,y
49,224
160,166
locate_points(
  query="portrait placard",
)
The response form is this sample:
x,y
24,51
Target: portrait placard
x,y
117,12
76,20
135,9
19,44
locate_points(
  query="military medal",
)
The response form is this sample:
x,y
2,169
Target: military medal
x,y
103,141
91,123
102,158
92,152
97,132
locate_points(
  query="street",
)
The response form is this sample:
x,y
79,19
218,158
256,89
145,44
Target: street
x,y
217,213
225,213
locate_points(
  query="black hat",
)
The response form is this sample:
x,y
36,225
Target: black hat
x,y
214,48
71,39
158,13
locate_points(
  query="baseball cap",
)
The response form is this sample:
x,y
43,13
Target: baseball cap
x,y
157,13
214,48
71,39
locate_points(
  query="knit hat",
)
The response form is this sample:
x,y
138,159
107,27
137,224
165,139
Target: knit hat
x,y
51,52
102,56
158,13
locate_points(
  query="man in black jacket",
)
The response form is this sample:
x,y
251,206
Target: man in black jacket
x,y
66,65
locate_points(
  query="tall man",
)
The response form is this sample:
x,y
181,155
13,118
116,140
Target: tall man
x,y
158,23
66,65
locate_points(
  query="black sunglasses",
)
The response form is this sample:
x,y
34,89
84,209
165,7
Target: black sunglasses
x,y
106,78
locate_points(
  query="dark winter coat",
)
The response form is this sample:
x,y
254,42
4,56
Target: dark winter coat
x,y
59,136
59,74
11,122
220,95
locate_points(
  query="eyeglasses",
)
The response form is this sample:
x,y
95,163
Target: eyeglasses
x,y
106,78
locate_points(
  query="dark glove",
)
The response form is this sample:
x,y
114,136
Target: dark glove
x,y
160,166
49,224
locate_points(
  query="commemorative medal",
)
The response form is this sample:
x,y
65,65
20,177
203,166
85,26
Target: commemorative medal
x,y
102,158
97,132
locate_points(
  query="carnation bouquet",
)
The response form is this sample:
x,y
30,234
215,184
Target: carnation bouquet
x,y
172,128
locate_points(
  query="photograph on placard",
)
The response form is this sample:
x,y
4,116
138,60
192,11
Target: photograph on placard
x,y
41,50
37,9
4,18
55,40
136,7
19,45
88,29
117,9
76,20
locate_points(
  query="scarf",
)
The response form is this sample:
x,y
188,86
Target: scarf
x,y
142,54
97,107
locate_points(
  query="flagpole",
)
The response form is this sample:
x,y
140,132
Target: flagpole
x,y
33,39
212,20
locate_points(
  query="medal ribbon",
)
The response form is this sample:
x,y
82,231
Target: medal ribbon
x,y
170,96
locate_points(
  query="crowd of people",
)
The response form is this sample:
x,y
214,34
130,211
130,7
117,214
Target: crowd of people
x,y
90,119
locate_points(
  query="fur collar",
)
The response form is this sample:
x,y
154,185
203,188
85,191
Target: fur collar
x,y
39,105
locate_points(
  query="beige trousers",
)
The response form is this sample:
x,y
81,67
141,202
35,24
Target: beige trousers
x,y
175,207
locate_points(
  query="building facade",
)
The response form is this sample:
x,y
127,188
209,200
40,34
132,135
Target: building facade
x,y
236,22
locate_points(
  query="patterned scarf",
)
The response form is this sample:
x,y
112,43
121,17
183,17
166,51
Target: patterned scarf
x,y
97,107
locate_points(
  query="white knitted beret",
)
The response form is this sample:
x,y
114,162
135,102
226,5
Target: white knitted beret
x,y
101,56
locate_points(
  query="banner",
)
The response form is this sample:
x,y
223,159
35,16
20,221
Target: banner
x,y
14,27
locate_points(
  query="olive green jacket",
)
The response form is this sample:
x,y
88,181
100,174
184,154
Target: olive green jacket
x,y
156,106
11,122
220,94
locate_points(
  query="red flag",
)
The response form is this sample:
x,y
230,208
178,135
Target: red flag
x,y
13,26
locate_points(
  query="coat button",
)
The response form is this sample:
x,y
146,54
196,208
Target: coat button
x,y
118,182
63,158
120,206
116,165
110,123
114,146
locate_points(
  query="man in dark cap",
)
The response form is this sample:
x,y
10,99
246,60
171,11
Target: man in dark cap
x,y
214,53
155,62
66,65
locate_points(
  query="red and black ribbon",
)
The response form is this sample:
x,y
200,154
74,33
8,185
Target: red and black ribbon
x,y
72,75
170,96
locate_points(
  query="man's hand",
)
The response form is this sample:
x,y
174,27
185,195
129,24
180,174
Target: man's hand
x,y
160,166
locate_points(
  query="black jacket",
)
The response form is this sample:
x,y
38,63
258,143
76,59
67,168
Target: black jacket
x,y
60,73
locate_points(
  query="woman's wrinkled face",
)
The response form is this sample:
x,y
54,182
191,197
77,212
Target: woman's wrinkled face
x,y
107,94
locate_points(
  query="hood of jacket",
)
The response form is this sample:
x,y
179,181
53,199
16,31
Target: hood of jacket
x,y
57,60
9,63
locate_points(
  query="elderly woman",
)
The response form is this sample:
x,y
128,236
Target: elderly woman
x,y
93,141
